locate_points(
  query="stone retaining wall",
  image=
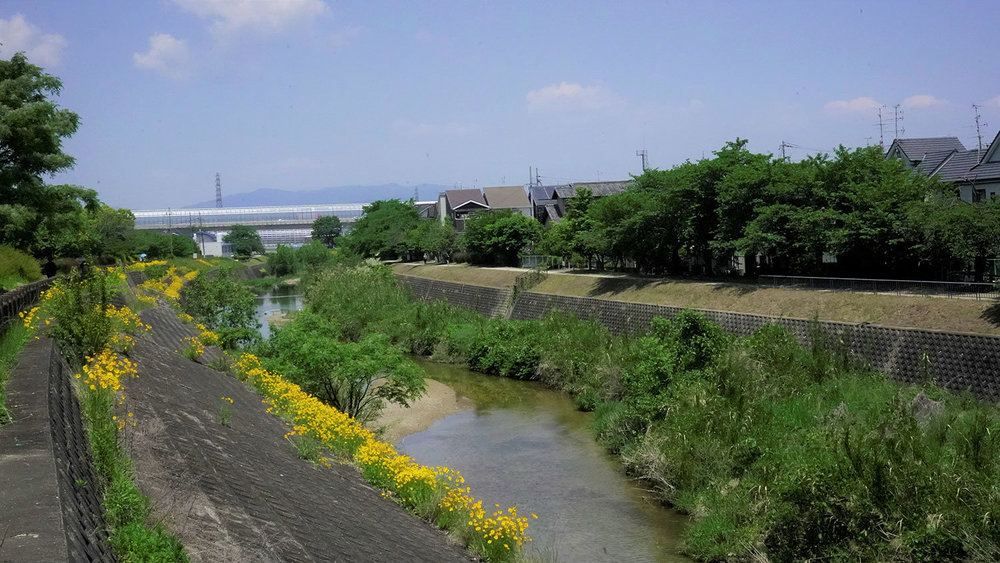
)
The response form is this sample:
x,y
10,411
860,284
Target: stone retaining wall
x,y
50,498
956,361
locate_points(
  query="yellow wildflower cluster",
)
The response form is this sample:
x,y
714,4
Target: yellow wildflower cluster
x,y
28,317
193,347
190,275
169,285
230,400
147,299
206,262
207,337
185,317
121,342
106,371
141,266
126,318
497,535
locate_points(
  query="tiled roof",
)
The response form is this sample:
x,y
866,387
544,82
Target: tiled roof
x,y
957,168
985,171
458,197
600,189
507,197
930,164
917,149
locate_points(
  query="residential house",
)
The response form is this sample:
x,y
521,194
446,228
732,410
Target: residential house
x,y
458,204
599,189
975,172
543,206
508,197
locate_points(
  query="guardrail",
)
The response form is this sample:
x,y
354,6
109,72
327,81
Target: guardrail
x,y
18,299
968,290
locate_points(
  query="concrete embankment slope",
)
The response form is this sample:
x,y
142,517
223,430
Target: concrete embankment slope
x,y
240,493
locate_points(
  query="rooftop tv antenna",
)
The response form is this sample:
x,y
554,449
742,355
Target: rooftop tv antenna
x,y
979,126
643,154
897,117
218,190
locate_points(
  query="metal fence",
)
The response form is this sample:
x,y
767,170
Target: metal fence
x,y
968,290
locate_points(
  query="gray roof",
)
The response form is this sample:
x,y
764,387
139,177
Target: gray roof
x,y
600,189
957,168
507,197
929,165
541,193
458,197
985,171
917,149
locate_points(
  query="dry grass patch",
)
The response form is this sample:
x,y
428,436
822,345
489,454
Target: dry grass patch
x,y
937,313
460,273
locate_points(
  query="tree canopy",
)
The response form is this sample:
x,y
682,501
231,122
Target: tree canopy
x,y
383,230
499,236
245,240
326,230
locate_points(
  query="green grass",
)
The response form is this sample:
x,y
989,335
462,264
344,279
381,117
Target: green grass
x,y
10,347
128,511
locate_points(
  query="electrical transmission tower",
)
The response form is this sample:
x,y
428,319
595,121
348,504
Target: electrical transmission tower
x,y
218,190
643,154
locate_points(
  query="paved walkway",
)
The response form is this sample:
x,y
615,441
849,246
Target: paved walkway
x,y
240,493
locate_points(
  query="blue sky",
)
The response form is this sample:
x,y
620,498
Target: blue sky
x,y
306,94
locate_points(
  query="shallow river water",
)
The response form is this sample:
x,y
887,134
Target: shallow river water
x,y
525,445
528,446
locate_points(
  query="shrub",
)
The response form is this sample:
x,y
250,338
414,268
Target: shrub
x,y
16,267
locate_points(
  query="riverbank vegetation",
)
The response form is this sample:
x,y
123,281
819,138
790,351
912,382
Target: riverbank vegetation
x,y
96,337
775,449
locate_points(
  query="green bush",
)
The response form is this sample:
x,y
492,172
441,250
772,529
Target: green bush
x,y
281,262
16,268
224,306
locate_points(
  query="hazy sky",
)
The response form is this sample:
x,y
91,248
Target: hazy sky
x,y
305,94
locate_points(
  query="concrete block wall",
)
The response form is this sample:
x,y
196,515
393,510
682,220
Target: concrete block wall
x,y
955,361
488,301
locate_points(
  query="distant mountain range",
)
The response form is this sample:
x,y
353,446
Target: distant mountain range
x,y
339,194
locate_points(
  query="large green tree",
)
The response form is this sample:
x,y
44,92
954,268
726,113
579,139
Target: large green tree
x,y
499,236
327,230
245,240
383,230
42,219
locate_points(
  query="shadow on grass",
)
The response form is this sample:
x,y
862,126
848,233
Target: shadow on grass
x,y
992,314
615,286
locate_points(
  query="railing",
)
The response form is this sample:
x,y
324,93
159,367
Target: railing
x,y
968,290
17,300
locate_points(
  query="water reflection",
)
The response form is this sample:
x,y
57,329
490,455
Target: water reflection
x,y
280,299
528,446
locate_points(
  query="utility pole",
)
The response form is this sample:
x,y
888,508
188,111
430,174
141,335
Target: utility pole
x,y
643,154
898,117
538,179
218,190
979,127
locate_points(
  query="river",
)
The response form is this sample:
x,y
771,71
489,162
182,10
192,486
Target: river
x,y
519,443
280,299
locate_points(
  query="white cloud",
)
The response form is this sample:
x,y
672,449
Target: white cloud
x,y
43,49
410,128
345,36
846,107
167,55
922,101
263,16
570,96
994,102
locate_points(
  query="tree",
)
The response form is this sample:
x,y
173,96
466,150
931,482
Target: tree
x,y
499,236
223,305
245,241
435,239
282,262
356,378
326,229
44,220
110,231
312,256
383,230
